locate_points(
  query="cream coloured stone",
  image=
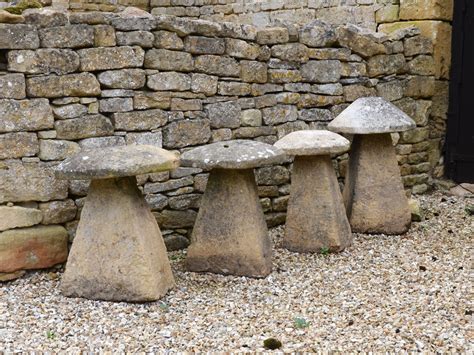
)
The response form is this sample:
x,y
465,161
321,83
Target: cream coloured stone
x,y
313,142
16,216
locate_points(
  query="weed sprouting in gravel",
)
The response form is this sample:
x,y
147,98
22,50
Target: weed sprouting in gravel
x,y
301,323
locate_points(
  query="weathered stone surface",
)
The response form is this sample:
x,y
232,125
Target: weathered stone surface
x,y
56,212
143,39
18,36
25,115
176,219
273,35
6,17
279,114
373,193
147,138
313,142
43,61
419,110
323,71
235,154
216,65
426,10
84,127
12,86
253,71
417,45
164,59
361,41
143,100
45,17
69,111
318,34
186,132
117,57
169,81
315,114
420,87
15,217
18,144
73,36
390,90
221,243
316,219
134,19
386,65
82,84
353,92
251,118
104,36
167,40
272,175
152,188
205,84
119,161
101,142
204,45
32,248
241,49
29,182
283,76
422,65
387,13
123,79
293,52
224,115
140,120
369,115
116,104
176,242
129,262
52,149
230,88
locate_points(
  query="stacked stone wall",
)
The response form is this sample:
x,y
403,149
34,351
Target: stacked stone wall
x,y
90,80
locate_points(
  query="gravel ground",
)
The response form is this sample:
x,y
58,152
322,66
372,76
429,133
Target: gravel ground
x,y
384,293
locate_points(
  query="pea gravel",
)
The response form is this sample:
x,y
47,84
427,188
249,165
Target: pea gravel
x,y
384,293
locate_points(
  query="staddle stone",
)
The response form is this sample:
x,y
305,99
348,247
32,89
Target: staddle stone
x,y
316,219
235,154
112,162
230,235
118,252
371,115
373,194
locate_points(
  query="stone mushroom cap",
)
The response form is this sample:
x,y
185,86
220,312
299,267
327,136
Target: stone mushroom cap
x,y
371,115
313,142
235,154
113,162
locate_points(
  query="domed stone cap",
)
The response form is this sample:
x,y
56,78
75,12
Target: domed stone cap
x,y
112,162
236,154
313,142
370,115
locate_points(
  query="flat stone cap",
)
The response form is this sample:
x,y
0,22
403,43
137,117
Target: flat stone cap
x,y
370,115
313,142
235,154
112,162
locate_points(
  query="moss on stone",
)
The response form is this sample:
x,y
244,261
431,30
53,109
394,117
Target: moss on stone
x,y
22,6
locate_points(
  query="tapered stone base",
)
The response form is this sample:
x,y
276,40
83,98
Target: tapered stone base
x,y
373,193
316,219
118,253
230,235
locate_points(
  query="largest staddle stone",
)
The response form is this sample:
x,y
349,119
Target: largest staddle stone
x,y
373,193
118,252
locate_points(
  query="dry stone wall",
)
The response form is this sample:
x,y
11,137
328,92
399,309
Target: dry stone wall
x,y
90,80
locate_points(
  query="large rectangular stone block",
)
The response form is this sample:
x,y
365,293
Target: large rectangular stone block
x,y
185,133
33,248
16,216
426,10
25,115
29,182
84,127
82,84
140,120
17,36
106,58
18,145
74,36
43,61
